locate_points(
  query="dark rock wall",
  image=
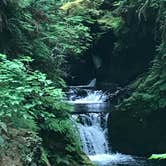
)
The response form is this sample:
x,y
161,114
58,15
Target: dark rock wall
x,y
122,43
137,125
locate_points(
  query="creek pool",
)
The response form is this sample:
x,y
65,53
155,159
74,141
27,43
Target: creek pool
x,y
124,160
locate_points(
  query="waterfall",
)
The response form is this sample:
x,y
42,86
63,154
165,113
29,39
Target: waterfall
x,y
92,126
91,97
93,134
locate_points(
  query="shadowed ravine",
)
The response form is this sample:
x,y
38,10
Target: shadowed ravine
x,y
107,58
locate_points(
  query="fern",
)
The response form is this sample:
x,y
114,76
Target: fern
x,y
27,96
35,28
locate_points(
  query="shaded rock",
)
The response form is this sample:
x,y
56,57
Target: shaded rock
x,y
20,148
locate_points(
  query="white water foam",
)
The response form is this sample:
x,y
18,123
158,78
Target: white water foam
x,y
91,98
92,134
105,159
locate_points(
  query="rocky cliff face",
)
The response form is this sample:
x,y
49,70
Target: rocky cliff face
x,y
138,123
124,41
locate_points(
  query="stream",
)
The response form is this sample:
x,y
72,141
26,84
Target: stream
x,y
90,115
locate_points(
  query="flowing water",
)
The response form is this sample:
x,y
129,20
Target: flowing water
x,y
91,112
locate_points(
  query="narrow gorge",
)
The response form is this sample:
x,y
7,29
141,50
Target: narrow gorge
x,y
82,82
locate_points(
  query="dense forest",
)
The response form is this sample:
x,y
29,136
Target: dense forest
x,y
48,45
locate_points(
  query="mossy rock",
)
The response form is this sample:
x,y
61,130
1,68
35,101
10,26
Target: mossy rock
x,y
20,147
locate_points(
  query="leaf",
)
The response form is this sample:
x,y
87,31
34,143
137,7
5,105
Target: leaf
x,y
2,56
26,59
1,141
24,3
3,126
158,156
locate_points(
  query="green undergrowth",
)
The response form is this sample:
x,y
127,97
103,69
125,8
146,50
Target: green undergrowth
x,y
150,86
143,112
39,29
37,38
31,102
158,157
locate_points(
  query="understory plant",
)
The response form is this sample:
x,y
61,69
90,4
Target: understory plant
x,y
41,30
30,101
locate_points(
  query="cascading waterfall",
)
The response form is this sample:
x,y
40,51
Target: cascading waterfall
x,y
90,117
91,97
92,133
92,127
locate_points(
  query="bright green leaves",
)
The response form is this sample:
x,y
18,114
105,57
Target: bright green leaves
x,y
109,21
25,3
75,39
2,56
61,126
26,96
3,127
158,156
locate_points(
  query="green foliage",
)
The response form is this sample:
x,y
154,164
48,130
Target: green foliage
x,y
41,30
44,158
30,101
27,96
143,112
49,36
109,21
151,89
158,156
